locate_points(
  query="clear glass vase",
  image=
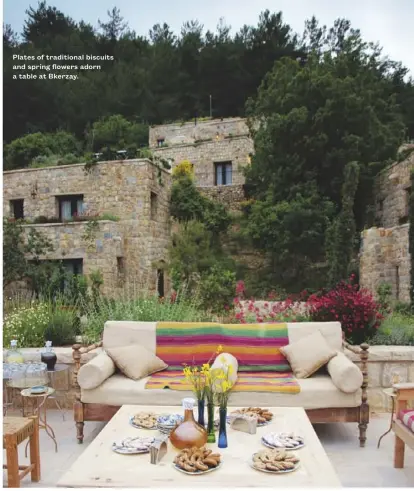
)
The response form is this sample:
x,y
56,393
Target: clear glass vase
x,y
211,435
222,439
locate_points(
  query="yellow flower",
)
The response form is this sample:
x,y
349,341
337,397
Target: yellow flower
x,y
230,369
206,366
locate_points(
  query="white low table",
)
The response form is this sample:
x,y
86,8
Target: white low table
x,y
99,466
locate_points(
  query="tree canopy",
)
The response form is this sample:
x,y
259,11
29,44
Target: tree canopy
x,y
158,78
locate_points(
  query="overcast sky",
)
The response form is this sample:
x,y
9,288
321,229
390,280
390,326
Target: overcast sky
x,y
391,22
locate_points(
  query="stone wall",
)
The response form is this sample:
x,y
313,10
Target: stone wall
x,y
100,252
391,190
134,191
386,364
384,258
194,131
204,154
230,196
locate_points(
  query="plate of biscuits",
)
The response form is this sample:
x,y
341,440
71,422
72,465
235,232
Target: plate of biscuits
x,y
288,441
131,446
195,461
143,420
263,416
274,461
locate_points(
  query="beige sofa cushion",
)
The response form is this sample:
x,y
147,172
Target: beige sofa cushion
x,y
345,374
125,333
135,361
308,354
331,331
96,371
316,392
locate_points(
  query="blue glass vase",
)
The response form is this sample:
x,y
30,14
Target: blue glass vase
x,y
201,408
222,439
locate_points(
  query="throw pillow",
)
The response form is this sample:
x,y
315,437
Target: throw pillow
x,y
96,371
308,354
346,376
135,361
228,364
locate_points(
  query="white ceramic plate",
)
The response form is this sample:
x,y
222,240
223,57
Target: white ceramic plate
x,y
199,473
287,471
124,449
301,445
131,421
128,450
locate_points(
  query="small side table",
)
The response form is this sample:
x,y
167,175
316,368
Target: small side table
x,y
54,376
15,431
390,393
39,407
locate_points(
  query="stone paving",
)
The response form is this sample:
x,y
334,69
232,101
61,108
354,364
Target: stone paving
x,y
356,467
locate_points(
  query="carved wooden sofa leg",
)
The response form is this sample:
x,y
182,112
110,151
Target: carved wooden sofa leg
x,y
78,409
364,409
363,418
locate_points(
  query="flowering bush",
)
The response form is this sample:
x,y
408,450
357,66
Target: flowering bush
x,y
354,308
284,311
27,325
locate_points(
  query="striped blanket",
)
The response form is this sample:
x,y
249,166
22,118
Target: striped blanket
x,y
246,382
262,367
255,346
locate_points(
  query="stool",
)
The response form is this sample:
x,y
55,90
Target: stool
x,y
15,431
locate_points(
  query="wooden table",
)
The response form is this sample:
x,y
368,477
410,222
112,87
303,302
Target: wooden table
x,y
99,466
15,431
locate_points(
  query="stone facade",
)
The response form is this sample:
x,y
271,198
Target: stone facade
x,y
206,144
384,256
135,192
230,196
196,131
392,193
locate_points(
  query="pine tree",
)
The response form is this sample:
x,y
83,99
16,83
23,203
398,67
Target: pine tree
x,y
341,234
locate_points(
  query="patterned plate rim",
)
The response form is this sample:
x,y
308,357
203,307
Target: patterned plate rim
x,y
268,445
139,427
199,473
115,448
287,471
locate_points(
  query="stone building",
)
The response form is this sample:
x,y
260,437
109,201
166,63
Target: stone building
x,y
219,149
384,256
111,216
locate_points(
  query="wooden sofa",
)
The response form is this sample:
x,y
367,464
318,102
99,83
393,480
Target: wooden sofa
x,y
403,424
321,399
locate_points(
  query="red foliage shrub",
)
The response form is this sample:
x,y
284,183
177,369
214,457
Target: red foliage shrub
x,y
354,308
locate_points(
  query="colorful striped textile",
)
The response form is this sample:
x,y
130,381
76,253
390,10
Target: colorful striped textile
x,y
255,346
406,416
246,382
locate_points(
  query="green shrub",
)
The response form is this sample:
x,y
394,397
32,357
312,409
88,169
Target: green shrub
x,y
138,306
397,329
21,152
27,325
217,288
62,326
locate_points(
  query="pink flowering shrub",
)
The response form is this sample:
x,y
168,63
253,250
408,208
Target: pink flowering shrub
x,y
250,311
354,308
